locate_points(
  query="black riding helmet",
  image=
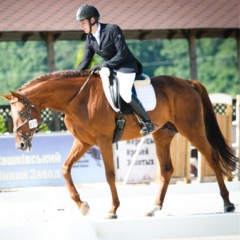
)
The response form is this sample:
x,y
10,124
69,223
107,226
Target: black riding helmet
x,y
87,12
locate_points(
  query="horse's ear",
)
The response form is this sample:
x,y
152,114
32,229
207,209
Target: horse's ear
x,y
16,95
6,96
9,97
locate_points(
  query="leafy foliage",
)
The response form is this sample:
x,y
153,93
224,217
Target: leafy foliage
x,y
3,127
21,62
44,128
216,59
217,65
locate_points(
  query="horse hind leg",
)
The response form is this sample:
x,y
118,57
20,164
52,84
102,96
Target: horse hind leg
x,y
162,141
204,147
214,164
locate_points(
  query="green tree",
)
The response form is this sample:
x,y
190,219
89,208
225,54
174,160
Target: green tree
x,y
20,62
80,51
3,127
216,59
175,59
217,65
65,54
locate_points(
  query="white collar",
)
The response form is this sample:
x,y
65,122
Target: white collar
x,y
97,33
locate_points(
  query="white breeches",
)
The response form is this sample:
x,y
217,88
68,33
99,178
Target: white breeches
x,y
125,85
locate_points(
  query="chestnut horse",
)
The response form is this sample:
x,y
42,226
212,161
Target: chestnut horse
x,y
88,116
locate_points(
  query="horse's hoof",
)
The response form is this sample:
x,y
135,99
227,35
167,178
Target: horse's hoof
x,y
229,208
152,212
149,214
84,208
111,216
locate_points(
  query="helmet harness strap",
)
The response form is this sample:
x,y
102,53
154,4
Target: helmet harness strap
x,y
91,24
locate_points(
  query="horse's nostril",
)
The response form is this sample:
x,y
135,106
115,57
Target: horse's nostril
x,y
24,146
21,145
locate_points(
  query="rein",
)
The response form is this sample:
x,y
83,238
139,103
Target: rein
x,y
39,127
84,84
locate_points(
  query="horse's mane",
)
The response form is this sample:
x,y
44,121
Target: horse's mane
x,y
61,75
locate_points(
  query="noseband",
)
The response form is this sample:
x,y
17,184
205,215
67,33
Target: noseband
x,y
32,122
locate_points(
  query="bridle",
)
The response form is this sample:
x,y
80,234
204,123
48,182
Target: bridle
x,y
33,122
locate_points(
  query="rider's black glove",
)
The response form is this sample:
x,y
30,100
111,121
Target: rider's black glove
x,y
96,67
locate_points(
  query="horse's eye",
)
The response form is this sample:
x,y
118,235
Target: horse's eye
x,y
22,113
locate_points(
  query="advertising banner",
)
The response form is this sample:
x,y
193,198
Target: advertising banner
x,y
145,167
42,166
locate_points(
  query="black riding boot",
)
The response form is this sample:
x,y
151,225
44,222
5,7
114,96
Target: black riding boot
x,y
139,110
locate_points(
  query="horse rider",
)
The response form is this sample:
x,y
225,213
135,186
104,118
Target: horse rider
x,y
107,41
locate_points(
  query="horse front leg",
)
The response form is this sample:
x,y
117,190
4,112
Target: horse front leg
x,y
107,154
77,151
162,142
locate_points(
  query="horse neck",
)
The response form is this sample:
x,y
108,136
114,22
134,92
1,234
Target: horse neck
x,y
54,95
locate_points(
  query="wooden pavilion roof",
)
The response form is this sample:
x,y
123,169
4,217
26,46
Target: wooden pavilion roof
x,y
139,19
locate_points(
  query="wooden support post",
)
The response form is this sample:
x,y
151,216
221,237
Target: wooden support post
x,y
50,52
51,68
192,54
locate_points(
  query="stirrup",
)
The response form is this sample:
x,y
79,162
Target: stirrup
x,y
147,128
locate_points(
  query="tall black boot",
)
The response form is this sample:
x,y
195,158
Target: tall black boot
x,y
139,110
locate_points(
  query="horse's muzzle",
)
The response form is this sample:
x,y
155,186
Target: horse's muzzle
x,y
25,145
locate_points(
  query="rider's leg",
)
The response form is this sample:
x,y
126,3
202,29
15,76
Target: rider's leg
x,y
138,108
125,87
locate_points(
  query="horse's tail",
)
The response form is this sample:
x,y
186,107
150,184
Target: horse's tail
x,y
226,156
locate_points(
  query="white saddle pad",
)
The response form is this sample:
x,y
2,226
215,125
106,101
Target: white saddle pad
x,y
145,94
